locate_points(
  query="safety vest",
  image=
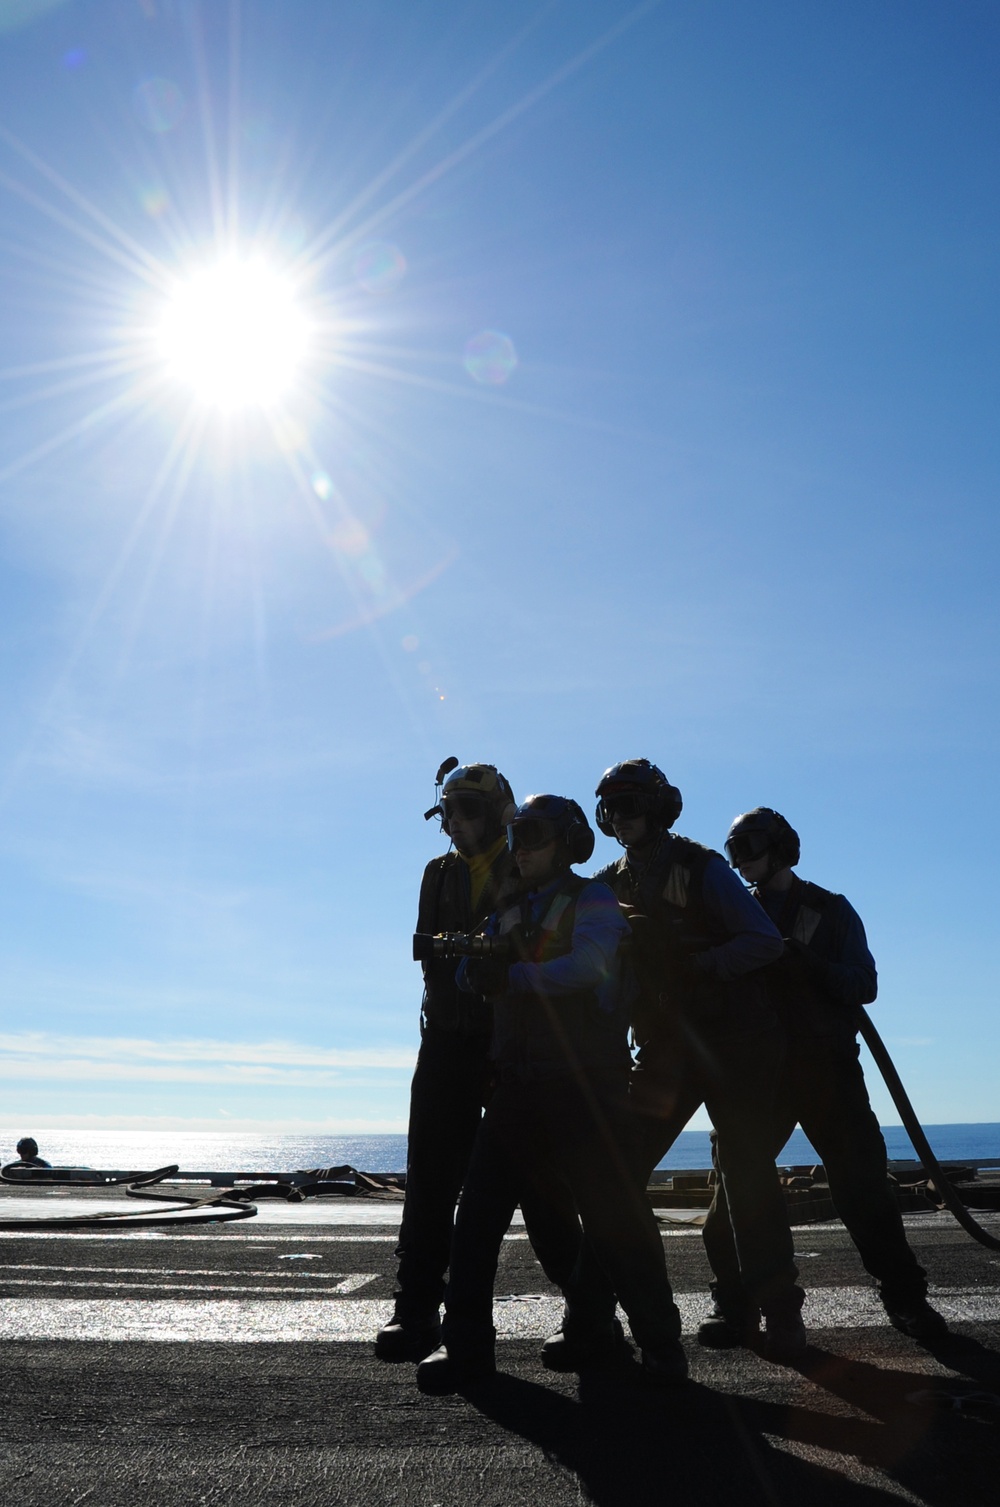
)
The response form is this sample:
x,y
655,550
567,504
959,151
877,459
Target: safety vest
x,y
539,1035
670,891
446,905
811,915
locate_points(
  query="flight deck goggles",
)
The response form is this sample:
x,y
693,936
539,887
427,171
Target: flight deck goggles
x,y
624,803
746,847
466,807
531,833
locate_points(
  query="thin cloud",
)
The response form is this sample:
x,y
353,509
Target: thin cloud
x,y
36,1056
190,1125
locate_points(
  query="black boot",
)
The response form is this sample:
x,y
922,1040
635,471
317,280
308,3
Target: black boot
x,y
443,1372
918,1319
734,1320
725,1330
408,1339
785,1340
580,1347
665,1365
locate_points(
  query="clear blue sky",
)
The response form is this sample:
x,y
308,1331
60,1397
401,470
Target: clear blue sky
x,y
729,501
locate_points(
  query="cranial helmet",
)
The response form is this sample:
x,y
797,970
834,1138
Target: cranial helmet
x,y
542,819
486,786
763,831
654,796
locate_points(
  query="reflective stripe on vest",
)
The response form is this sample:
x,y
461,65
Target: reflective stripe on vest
x,y
806,922
677,889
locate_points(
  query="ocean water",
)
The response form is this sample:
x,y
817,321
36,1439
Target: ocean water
x,y
244,1152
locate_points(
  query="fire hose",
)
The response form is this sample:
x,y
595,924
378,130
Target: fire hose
x,y
947,1193
215,1207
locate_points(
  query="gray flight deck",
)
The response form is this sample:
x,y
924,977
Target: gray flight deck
x,y
233,1363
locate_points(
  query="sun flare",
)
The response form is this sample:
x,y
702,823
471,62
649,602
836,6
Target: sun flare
x,y
234,334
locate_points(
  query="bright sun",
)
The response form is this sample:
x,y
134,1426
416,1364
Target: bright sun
x,y
234,333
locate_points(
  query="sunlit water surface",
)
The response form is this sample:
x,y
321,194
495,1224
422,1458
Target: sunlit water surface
x,y
248,1152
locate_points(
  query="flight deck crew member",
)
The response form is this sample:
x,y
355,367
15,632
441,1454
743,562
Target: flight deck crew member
x,y
561,1061
826,973
458,892
27,1150
705,1030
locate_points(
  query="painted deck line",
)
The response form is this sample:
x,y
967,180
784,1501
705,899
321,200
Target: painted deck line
x,y
341,1284
226,1236
316,1211
353,1320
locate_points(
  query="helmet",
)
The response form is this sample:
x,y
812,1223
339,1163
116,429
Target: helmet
x,y
763,831
543,819
485,787
655,797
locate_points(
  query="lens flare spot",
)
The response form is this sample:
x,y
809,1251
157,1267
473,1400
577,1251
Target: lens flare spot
x,y
351,538
155,201
379,267
75,58
159,104
490,358
234,334
411,643
322,486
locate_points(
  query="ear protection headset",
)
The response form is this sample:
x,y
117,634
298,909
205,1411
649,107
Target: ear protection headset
x,y
578,836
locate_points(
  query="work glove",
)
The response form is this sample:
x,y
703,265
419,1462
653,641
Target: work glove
x,y
805,962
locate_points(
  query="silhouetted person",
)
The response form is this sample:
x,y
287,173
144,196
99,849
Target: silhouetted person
x,y
27,1150
825,975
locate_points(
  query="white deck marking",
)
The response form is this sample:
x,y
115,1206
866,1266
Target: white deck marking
x,y
384,1213
343,1286
228,1235
168,1271
525,1316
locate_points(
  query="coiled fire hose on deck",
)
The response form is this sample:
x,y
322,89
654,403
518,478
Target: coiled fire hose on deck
x,y
914,1130
187,1208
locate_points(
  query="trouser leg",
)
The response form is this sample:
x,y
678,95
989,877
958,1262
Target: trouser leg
x,y
838,1118
720,1248
487,1204
741,1103
656,1134
445,1110
720,1243
661,1074
595,1135
551,1219
646,1137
